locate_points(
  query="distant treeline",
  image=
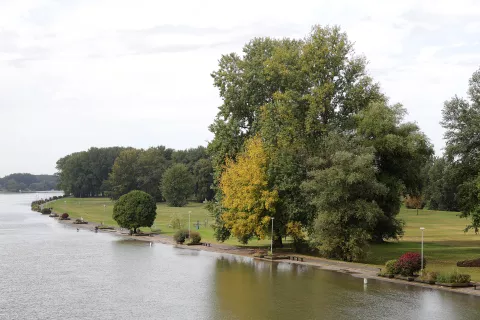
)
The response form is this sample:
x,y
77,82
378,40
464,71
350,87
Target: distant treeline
x,y
115,171
28,182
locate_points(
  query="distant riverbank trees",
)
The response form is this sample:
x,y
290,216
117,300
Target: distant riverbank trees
x,y
28,182
339,156
116,171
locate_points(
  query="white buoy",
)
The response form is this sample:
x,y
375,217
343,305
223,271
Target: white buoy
x,y
365,280
150,244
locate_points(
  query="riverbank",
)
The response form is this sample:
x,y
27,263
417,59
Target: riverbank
x,y
356,270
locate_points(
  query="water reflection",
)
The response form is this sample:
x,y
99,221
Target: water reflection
x,y
261,290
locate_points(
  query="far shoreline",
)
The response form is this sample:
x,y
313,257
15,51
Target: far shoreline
x,y
356,270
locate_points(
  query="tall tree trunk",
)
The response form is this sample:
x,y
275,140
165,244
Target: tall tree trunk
x,y
277,242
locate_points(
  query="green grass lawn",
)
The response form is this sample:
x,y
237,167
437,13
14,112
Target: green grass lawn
x,y
445,243
93,210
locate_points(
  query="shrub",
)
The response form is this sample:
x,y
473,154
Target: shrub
x,y
195,237
409,263
429,276
180,236
46,211
134,210
453,277
64,216
414,202
469,263
176,222
391,267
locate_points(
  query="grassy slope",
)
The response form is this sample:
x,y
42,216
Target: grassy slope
x,y
445,241
92,210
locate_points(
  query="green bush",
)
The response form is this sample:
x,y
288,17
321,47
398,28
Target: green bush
x,y
429,276
46,211
453,277
391,267
176,222
180,236
195,237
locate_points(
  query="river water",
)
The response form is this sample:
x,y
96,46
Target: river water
x,y
50,271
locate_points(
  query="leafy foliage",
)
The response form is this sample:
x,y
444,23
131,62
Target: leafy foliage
x,y
461,121
453,277
409,263
180,236
195,237
177,185
293,94
28,182
134,210
391,267
343,189
247,198
176,221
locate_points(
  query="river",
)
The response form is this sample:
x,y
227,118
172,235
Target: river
x,y
51,271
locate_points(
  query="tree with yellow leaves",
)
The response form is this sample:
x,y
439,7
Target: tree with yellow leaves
x,y
248,201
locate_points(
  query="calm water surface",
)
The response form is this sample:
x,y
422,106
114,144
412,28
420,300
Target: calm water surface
x,y
49,271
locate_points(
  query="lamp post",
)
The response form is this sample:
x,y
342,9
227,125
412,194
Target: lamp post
x,y
271,242
189,212
421,259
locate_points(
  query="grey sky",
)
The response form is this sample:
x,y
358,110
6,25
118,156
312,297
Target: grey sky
x,y
76,74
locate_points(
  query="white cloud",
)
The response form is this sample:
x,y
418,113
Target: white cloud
x,y
87,73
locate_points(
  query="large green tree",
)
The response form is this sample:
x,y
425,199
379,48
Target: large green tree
x,y
344,189
292,92
461,121
134,210
84,173
401,152
177,185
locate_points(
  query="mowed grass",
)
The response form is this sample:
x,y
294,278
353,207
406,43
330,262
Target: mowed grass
x,y
445,242
93,211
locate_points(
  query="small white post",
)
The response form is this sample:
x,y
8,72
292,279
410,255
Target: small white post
x,y
421,259
189,212
365,280
271,242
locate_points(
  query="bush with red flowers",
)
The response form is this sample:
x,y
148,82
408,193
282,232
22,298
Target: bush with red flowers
x,y
64,216
409,263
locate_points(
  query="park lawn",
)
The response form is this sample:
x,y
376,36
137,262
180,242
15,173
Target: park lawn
x,y
93,211
445,242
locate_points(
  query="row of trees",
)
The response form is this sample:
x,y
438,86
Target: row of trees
x,y
28,182
305,136
453,180
161,172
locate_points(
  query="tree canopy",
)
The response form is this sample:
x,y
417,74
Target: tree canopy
x,y
293,95
134,210
117,171
177,185
28,182
461,121
248,199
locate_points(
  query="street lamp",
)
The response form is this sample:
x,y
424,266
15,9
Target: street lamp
x,y
421,261
271,242
189,212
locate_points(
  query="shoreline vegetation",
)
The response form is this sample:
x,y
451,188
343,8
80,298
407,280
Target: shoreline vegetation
x,y
357,270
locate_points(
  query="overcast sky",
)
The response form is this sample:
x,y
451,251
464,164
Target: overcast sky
x,y
76,74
